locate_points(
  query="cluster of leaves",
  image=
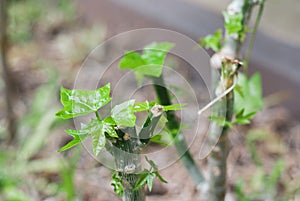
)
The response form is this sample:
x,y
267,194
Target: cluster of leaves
x,y
117,183
149,63
213,42
82,102
148,176
248,98
233,25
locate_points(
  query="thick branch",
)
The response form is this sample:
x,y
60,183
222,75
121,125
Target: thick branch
x,y
230,50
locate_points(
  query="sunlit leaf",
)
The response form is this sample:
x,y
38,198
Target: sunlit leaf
x,y
155,53
141,106
123,114
131,60
95,128
80,102
98,140
149,63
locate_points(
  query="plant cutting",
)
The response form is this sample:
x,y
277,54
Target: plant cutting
x,y
116,133
240,105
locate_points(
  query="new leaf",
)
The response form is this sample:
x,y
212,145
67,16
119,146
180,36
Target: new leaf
x,y
95,128
123,114
149,63
250,100
81,102
213,41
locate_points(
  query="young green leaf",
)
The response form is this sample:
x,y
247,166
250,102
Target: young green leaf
x,y
149,63
131,60
76,140
155,53
252,100
152,164
142,106
173,107
95,128
142,180
241,118
98,141
81,102
98,129
123,114
233,23
150,178
160,177
213,41
158,140
117,183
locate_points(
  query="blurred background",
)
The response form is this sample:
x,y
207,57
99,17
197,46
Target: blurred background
x,y
45,44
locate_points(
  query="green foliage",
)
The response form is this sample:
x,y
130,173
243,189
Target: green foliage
x,y
147,176
159,139
213,41
123,114
149,63
173,107
76,140
248,98
117,183
263,186
233,23
81,102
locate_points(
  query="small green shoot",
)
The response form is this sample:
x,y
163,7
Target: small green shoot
x,y
147,176
213,42
149,63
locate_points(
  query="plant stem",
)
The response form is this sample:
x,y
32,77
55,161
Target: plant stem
x,y
9,89
128,162
217,160
174,126
151,122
